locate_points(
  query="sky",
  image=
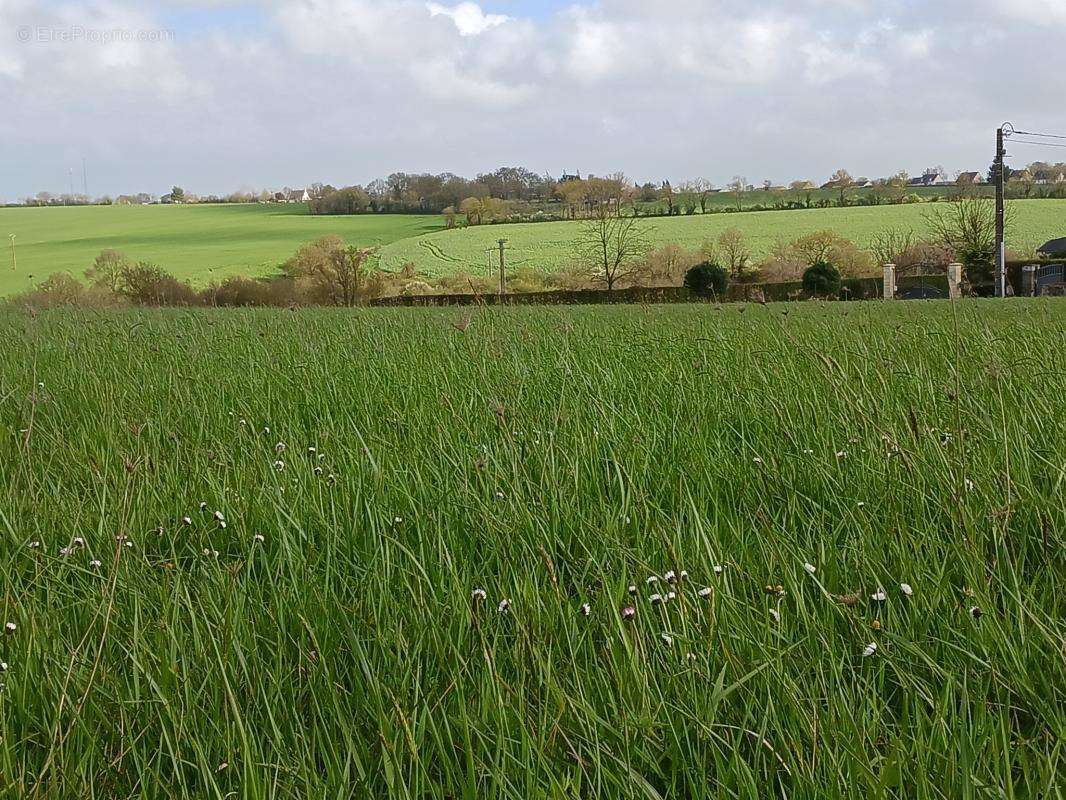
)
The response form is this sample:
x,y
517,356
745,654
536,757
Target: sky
x,y
224,95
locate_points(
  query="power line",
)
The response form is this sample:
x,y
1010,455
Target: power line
x,y
1040,135
1037,144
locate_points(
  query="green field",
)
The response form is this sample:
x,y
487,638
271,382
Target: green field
x,y
549,245
209,242
199,243
393,465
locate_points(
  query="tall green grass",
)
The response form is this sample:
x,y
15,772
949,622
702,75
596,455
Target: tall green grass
x,y
551,457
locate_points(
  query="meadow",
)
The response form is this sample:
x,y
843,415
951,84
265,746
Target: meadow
x,y
198,243
548,246
388,553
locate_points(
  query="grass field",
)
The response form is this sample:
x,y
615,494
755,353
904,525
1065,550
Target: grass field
x,y
549,245
375,469
196,243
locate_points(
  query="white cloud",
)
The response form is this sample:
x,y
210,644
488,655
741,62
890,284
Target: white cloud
x,y
347,90
469,18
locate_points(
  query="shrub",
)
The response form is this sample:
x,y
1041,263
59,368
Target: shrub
x,y
821,279
707,279
147,285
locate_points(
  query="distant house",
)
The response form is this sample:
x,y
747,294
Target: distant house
x,y
1046,176
279,197
1056,248
928,179
298,196
969,179
862,183
803,186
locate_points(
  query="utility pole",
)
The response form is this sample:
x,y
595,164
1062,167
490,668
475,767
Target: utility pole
x,y
1001,247
14,261
84,178
503,274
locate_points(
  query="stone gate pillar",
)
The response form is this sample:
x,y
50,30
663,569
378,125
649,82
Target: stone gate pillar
x,y
955,281
890,282
1029,280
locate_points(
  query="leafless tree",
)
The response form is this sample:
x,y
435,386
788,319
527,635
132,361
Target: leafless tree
x,y
612,246
967,225
734,252
843,181
737,187
888,245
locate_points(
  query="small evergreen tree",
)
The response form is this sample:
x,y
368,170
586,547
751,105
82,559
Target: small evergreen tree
x,y
707,279
821,279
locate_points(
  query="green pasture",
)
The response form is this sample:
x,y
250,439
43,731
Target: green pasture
x,y
549,245
243,552
198,243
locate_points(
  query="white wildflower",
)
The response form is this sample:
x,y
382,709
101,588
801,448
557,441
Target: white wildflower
x,y
187,520
718,568
10,627
670,576
279,465
667,638
279,448
95,563
259,538
871,648
810,568
478,595
879,596
775,614
504,606
586,609
906,589
656,599
705,592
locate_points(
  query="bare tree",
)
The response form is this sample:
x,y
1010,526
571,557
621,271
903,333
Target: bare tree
x,y
843,181
612,246
888,245
967,225
704,188
734,252
737,187
107,270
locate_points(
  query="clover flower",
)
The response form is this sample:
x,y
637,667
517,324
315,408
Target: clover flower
x,y
629,613
879,596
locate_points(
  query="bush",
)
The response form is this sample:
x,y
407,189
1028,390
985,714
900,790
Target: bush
x,y
821,279
707,279
147,285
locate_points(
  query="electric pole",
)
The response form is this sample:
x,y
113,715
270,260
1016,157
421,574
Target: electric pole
x,y
1001,247
503,274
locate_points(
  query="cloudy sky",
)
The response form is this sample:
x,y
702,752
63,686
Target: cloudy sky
x,y
218,95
